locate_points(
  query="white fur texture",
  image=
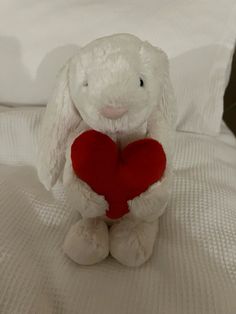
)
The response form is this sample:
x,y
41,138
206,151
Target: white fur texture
x,y
107,72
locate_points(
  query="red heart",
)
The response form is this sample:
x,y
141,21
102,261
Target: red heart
x,y
119,175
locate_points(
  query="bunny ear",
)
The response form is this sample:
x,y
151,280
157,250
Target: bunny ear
x,y
60,118
167,104
158,61
161,122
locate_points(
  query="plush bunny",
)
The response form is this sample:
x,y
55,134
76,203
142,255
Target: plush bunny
x,y
119,86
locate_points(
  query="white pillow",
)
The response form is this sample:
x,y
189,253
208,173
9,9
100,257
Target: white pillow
x,y
37,37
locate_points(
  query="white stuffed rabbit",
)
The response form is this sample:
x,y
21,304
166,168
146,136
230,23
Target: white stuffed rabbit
x,y
120,86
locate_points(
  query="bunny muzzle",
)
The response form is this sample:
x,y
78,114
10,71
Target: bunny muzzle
x,y
113,113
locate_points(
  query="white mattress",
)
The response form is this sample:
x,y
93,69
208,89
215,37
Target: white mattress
x,y
193,269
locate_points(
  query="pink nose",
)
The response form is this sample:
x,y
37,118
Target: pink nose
x,y
111,112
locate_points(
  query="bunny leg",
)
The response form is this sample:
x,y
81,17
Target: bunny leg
x,y
87,241
132,240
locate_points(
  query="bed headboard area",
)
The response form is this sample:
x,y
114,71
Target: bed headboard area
x,y
230,99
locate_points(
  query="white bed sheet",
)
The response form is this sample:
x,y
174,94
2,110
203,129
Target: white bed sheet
x,y
192,271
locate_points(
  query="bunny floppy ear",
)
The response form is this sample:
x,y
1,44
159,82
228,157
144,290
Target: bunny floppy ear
x,y
60,118
162,120
167,107
157,62
167,103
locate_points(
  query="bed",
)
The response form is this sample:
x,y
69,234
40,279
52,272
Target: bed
x,y
193,269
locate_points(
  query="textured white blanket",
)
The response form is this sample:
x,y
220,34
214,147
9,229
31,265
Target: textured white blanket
x,y
193,270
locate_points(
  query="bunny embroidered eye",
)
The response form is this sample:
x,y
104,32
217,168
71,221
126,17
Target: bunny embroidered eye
x,y
141,83
85,83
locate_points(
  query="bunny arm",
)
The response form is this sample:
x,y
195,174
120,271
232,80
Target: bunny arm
x,y
88,203
151,204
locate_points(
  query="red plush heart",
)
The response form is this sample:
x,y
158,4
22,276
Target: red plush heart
x,y
119,175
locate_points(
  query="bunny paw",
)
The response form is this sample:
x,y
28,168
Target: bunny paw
x,y
87,242
132,241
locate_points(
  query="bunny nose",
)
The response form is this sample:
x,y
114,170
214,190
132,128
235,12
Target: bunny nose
x,y
111,112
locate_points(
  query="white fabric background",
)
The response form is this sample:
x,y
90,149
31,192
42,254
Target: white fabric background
x,y
37,37
192,271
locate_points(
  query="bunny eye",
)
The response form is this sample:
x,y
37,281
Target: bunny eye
x,y
141,83
85,83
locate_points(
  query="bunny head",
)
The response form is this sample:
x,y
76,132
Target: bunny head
x,y
113,84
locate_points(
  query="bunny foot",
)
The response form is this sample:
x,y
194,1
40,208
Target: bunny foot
x,y
87,241
132,241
